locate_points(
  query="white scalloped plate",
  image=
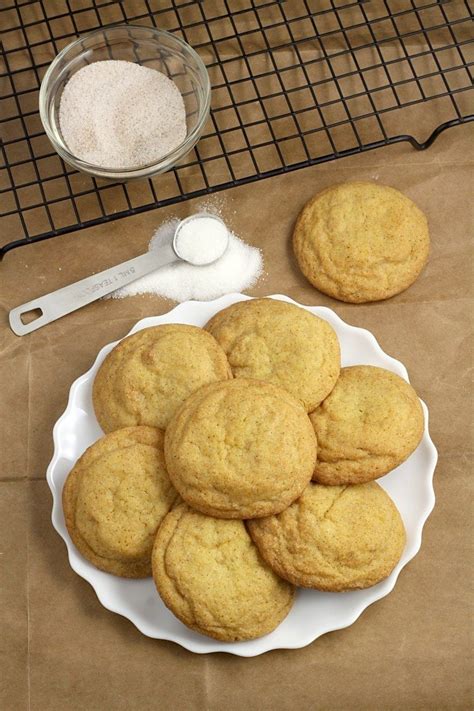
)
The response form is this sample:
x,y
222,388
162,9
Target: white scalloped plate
x,y
314,613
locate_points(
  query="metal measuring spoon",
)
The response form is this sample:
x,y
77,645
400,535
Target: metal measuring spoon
x,y
70,298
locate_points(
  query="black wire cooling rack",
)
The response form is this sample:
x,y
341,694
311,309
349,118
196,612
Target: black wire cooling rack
x,y
295,83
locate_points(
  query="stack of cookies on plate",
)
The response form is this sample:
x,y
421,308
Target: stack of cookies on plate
x,y
239,462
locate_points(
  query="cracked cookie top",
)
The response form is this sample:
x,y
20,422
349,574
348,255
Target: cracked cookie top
x,y
149,374
360,241
240,448
280,343
368,425
211,576
333,538
114,499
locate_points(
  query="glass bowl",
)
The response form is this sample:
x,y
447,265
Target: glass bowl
x,y
150,47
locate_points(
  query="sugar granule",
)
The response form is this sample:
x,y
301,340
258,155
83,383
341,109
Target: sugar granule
x,y
118,114
237,270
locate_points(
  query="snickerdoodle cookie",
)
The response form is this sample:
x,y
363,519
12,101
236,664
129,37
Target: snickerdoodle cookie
x,y
240,448
369,424
149,374
114,499
281,343
361,241
211,576
333,538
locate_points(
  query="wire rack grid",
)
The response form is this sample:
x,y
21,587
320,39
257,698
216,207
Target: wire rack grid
x,y
294,83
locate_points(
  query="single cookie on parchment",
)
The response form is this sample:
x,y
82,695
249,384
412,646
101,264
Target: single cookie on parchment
x,y
368,425
333,538
149,374
114,499
210,575
281,343
240,448
361,241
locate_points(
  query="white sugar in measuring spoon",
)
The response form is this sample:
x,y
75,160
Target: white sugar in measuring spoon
x,y
200,240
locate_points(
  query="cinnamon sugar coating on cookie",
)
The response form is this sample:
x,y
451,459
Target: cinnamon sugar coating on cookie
x,y
114,499
149,374
240,448
361,241
210,575
369,424
280,343
333,538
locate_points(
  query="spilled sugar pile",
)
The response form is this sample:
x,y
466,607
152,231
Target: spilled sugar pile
x,y
237,270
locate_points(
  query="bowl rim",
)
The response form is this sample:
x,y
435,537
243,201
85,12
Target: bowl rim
x,y
167,160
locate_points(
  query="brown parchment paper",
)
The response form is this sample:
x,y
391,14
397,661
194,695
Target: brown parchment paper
x,y
62,650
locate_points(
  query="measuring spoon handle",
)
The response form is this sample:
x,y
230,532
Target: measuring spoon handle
x,y
70,298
